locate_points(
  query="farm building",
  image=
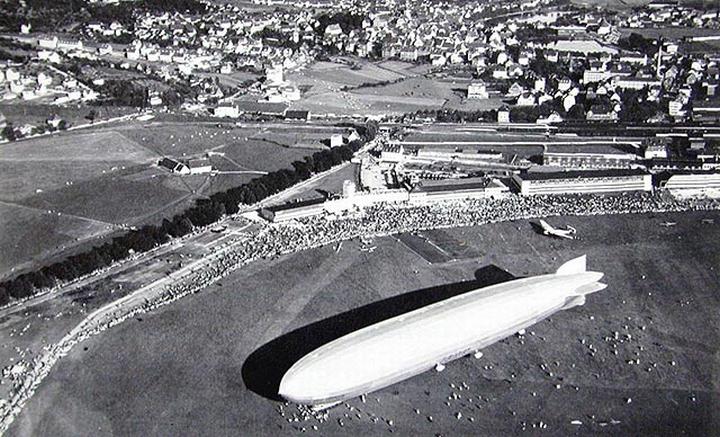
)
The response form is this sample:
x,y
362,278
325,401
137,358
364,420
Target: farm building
x,y
191,166
199,166
602,181
174,166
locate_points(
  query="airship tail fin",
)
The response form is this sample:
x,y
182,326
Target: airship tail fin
x,y
590,288
577,265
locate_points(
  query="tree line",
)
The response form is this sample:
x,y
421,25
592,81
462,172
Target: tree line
x,y
203,213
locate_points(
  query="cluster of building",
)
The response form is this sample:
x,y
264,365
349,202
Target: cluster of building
x,y
535,52
41,82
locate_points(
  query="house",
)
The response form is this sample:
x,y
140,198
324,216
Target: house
x,y
297,115
226,111
675,108
525,99
656,148
635,83
438,60
515,90
333,30
105,49
199,166
54,121
50,56
12,75
568,102
634,58
499,72
601,113
174,166
336,140
48,42
477,90
503,115
554,117
596,73
409,54
69,44
274,75
564,84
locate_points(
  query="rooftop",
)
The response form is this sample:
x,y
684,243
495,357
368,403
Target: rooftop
x,y
543,176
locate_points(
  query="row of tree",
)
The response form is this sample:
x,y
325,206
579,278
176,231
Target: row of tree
x,y
203,213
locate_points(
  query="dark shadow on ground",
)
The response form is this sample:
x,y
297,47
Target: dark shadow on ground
x,y
265,367
537,227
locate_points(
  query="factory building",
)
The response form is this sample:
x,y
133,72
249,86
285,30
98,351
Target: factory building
x,y
440,154
584,157
458,189
602,181
694,183
293,210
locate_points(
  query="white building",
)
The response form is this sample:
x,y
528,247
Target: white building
x,y
477,90
274,75
226,111
604,181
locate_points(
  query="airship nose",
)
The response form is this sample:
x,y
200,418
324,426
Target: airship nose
x,y
288,388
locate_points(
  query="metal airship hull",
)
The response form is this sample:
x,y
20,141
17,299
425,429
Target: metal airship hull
x,y
409,344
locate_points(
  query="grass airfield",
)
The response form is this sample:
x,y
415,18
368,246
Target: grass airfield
x,y
64,191
208,364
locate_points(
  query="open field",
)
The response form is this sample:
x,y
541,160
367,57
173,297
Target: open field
x,y
26,230
110,175
246,146
20,113
399,96
396,87
113,199
323,76
210,363
54,162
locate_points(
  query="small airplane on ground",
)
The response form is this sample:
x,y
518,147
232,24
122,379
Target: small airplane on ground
x,y
668,224
548,230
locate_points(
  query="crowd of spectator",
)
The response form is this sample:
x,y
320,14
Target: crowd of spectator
x,y
389,218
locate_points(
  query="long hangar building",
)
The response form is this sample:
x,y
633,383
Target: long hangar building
x,y
602,181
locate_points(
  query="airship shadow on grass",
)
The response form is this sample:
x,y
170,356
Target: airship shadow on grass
x,y
537,227
264,368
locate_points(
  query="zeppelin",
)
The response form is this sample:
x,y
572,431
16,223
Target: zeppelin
x,y
403,346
